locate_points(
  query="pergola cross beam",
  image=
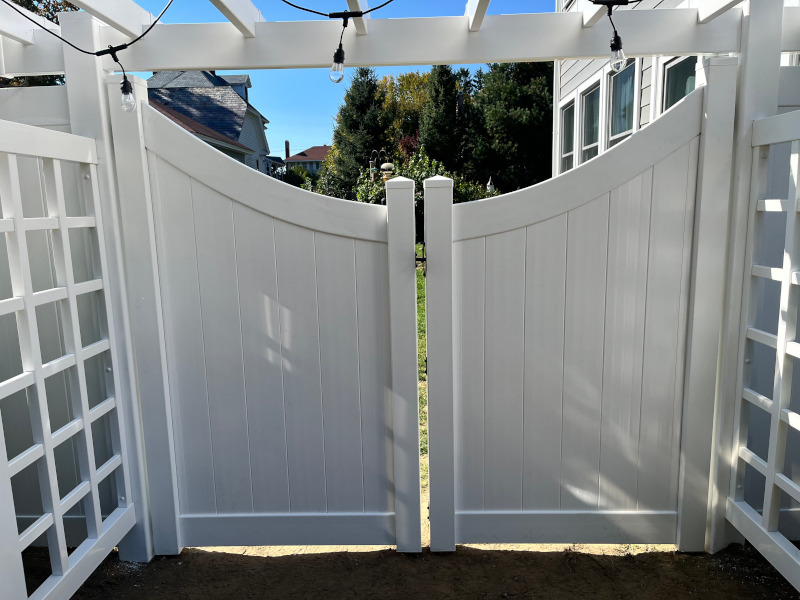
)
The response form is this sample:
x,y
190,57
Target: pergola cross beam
x,y
476,11
125,16
19,29
242,13
593,13
360,23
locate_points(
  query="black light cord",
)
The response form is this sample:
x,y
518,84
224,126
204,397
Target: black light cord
x,y
111,50
338,15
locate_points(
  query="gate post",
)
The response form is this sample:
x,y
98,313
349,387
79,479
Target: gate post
x,y
405,391
147,324
439,310
707,300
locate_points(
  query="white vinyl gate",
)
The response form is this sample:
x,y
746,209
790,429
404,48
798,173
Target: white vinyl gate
x,y
63,460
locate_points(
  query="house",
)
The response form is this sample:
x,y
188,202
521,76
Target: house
x,y
596,108
216,109
310,159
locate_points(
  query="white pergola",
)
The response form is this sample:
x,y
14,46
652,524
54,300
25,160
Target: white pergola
x,y
249,41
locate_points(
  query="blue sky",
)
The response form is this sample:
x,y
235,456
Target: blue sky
x,y
301,104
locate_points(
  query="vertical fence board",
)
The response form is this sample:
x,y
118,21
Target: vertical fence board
x,y
374,373
469,266
583,353
626,291
663,344
545,278
504,360
338,339
184,338
222,340
301,367
261,345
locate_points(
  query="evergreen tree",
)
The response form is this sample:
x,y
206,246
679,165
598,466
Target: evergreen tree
x,y
511,136
360,129
438,130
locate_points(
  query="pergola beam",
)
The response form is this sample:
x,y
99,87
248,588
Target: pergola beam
x,y
360,23
125,16
17,28
476,12
242,13
708,10
593,13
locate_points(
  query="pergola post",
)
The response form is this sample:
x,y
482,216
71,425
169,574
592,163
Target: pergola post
x,y
756,98
89,116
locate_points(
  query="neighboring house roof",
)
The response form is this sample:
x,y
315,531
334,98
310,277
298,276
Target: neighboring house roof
x,y
196,127
191,79
219,108
313,154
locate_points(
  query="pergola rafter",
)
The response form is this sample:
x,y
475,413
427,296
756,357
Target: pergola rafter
x,y
592,14
709,10
360,23
125,16
19,29
476,11
242,13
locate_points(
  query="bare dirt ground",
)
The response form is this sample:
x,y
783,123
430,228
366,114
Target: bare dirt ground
x,y
477,571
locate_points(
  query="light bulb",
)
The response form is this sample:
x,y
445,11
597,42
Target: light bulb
x,y
337,69
618,58
128,99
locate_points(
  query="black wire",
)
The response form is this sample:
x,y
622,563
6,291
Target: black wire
x,y
70,44
322,14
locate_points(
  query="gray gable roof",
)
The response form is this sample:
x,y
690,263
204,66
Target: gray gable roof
x,y
219,108
195,79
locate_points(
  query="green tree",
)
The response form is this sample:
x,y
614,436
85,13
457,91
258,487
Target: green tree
x,y
510,136
49,9
439,121
360,129
404,98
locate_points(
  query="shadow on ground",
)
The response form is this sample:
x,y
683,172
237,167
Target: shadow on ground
x,y
203,574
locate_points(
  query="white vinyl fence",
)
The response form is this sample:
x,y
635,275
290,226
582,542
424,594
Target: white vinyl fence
x,y
558,411
289,333
63,459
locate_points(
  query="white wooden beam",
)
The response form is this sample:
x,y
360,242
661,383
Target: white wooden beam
x,y
242,13
476,11
440,40
360,23
125,16
16,27
593,13
711,9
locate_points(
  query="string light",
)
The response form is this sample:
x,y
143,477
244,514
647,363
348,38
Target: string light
x,y
128,100
618,59
337,68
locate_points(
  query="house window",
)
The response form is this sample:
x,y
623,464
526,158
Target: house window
x,y
622,106
567,137
590,123
678,80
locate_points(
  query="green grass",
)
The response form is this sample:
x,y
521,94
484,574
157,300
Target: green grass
x,y
423,376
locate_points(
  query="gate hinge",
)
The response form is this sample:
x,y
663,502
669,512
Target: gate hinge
x,y
426,365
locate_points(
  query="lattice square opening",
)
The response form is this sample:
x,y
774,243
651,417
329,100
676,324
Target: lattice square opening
x,y
36,564
102,439
16,417
50,325
91,314
767,294
75,177
759,373
109,498
68,465
99,378
754,485
789,521
791,467
40,256
76,529
31,188
60,389
758,429
27,494
10,358
5,270
768,249
84,250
